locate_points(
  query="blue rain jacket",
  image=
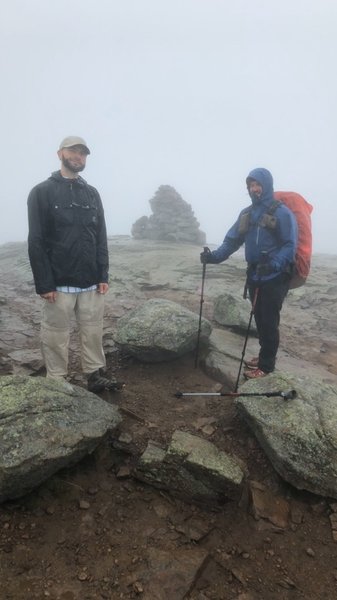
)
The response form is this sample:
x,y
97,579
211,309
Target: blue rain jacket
x,y
275,247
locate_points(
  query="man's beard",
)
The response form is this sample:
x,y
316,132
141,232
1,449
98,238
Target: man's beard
x,y
74,169
255,197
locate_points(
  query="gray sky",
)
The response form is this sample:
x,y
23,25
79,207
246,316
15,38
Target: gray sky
x,y
189,93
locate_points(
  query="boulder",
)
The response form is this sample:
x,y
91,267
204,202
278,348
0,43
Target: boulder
x,y
46,425
160,330
234,312
193,469
299,436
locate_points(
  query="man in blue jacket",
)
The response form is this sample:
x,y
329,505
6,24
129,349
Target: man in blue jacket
x,y
269,231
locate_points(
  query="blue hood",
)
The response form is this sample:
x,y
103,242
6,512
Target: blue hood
x,y
265,179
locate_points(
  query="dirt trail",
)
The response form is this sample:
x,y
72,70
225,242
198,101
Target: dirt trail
x,y
94,532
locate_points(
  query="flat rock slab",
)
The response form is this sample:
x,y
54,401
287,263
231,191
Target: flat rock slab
x,y
170,575
266,505
46,425
26,361
222,360
192,468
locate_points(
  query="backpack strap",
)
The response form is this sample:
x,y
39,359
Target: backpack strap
x,y
244,221
273,206
268,219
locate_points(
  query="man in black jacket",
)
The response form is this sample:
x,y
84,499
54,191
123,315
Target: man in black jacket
x,y
68,253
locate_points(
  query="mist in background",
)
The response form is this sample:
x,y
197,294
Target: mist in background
x,y
188,93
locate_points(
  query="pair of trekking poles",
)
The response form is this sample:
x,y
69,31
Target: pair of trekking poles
x,y
285,395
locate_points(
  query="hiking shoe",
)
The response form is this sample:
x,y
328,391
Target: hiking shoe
x,y
98,381
253,363
254,374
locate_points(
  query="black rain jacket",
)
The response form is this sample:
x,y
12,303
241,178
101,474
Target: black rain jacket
x,y
67,241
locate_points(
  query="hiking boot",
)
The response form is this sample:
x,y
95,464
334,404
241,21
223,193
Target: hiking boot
x,y
98,381
253,363
254,374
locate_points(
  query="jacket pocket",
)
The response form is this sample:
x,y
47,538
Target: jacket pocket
x,y
63,215
88,216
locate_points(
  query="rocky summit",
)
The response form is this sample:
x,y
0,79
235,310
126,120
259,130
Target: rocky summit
x,y
185,496
152,313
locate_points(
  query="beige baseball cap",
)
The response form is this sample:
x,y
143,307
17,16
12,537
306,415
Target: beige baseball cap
x,y
73,140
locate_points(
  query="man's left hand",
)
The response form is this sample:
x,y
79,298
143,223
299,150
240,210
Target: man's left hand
x,y
263,269
102,288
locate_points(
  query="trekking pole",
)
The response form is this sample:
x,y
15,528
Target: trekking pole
x,y
200,312
246,338
285,395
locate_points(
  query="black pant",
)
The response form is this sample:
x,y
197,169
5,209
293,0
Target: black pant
x,y
269,300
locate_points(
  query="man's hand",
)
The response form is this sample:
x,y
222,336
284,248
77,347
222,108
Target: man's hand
x,y
205,256
49,296
266,269
102,288
263,270
266,265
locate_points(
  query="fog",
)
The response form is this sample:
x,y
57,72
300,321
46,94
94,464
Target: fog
x,y
189,93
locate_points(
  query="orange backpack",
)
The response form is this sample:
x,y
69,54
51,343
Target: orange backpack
x,y
302,211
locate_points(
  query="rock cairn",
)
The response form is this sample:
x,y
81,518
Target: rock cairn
x,y
172,220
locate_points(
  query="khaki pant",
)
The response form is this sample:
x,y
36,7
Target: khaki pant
x,y
88,309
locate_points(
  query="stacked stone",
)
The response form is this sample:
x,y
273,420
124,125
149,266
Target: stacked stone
x,y
172,219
